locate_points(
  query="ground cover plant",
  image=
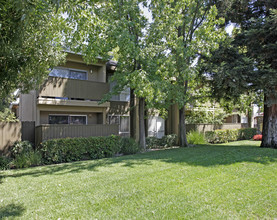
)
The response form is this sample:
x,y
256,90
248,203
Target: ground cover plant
x,y
225,181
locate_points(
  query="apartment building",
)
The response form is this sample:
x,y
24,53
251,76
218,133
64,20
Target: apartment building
x,y
67,103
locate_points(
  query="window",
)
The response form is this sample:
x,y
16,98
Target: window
x,y
124,95
123,122
58,119
68,73
68,119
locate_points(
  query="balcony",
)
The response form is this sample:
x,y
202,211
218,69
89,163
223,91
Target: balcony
x,y
46,132
73,89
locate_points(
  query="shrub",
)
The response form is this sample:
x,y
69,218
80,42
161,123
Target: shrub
x,y
224,136
21,161
74,149
4,163
247,133
195,137
24,155
210,136
128,146
153,142
21,147
24,160
35,158
168,140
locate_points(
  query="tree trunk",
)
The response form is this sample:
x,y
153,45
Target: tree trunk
x,y
142,142
270,123
132,115
182,128
249,118
146,120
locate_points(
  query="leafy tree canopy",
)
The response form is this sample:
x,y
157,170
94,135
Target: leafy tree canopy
x,y
30,42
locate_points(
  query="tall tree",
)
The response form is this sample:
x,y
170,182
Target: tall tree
x,y
123,33
247,61
30,42
185,29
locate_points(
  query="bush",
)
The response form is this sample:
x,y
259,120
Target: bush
x,y
128,146
153,142
195,137
74,149
21,147
24,155
224,136
247,133
168,140
4,163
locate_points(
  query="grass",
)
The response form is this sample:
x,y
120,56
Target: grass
x,y
231,181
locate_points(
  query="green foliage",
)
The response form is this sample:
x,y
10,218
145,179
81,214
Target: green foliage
x,y
206,115
153,142
7,116
27,159
246,62
164,142
224,136
128,146
247,133
4,163
21,147
30,42
168,140
74,149
174,183
195,137
23,155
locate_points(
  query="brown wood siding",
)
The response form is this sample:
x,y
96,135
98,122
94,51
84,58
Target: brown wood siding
x,y
73,88
46,132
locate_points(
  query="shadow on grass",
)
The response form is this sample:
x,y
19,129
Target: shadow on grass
x,y
201,155
11,210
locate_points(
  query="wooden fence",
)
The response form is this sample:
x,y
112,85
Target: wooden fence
x,y
46,132
11,132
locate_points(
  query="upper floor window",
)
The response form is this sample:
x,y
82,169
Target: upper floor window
x,y
124,95
69,73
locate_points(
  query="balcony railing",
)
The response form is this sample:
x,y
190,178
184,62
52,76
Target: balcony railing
x,y
46,132
73,89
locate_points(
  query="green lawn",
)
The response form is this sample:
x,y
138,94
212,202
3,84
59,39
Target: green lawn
x,y
231,181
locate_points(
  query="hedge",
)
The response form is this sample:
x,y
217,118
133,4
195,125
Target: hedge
x,y
74,149
160,143
224,136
